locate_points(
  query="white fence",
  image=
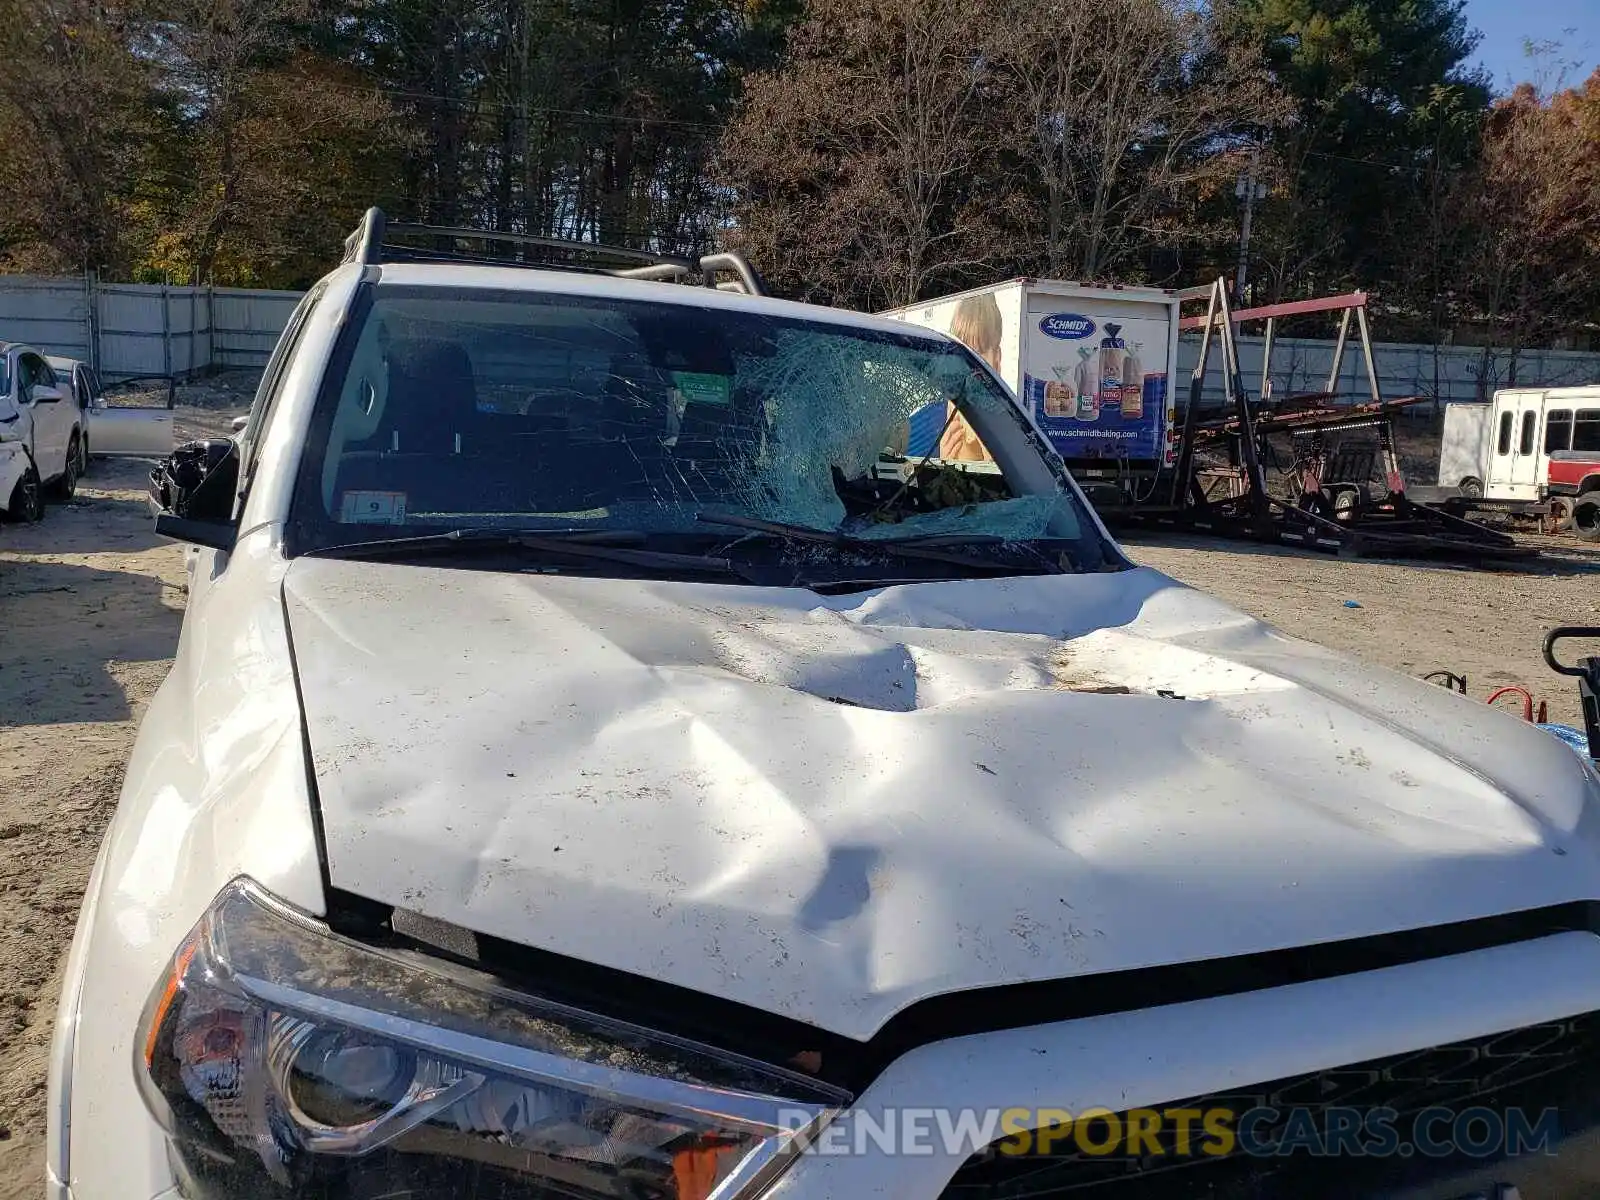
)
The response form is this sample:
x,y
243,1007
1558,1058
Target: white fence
x,y
1441,373
143,329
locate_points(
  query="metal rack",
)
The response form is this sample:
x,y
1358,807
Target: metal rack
x,y
372,244
1327,512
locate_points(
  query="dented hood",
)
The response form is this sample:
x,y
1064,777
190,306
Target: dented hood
x,y
832,807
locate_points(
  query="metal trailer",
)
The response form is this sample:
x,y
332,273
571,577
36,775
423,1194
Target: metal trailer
x,y
1330,506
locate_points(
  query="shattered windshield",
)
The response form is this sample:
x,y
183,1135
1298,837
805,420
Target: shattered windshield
x,y
458,409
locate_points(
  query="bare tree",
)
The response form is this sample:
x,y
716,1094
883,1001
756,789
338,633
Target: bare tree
x,y
860,167
1127,109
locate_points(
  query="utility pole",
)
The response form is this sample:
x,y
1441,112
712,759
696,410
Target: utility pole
x,y
1249,189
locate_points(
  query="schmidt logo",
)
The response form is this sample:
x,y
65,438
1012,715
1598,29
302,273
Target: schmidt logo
x,y
1069,327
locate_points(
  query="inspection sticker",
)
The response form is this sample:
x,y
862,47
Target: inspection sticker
x,y
699,388
373,508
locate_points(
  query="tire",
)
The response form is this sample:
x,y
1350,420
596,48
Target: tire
x,y
27,499
1348,503
83,455
1472,488
1586,517
65,485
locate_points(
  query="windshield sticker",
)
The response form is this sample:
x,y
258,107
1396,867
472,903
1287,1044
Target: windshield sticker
x,y
372,508
703,389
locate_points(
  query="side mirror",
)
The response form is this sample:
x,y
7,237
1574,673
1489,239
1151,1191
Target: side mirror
x,y
192,492
43,393
215,535
239,423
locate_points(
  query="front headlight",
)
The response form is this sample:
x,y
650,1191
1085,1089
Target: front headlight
x,y
285,1060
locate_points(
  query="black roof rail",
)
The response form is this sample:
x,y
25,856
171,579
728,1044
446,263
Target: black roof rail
x,y
370,245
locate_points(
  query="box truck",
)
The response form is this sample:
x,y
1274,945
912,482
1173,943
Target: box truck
x,y
1094,366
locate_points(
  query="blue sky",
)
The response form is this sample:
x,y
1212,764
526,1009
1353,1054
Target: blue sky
x,y
1505,23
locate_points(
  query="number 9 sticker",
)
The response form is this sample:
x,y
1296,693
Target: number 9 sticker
x,y
372,508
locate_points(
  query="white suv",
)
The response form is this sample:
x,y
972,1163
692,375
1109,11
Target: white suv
x,y
40,433
595,767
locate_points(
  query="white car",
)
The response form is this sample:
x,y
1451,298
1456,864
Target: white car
x,y
132,418
592,768
41,445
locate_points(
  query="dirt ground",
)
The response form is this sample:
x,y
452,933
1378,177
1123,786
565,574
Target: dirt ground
x,y
90,604
91,601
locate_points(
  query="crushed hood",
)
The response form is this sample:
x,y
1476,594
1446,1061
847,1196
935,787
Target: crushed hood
x,y
830,808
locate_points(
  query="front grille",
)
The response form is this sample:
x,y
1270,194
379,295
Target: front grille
x,y
1537,1068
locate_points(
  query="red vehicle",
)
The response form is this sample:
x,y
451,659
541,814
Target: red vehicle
x,y
1572,478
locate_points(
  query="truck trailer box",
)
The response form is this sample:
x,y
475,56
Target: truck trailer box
x,y
1464,446
1095,367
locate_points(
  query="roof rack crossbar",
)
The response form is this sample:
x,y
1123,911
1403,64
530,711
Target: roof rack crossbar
x,y
415,254
369,246
547,243
657,271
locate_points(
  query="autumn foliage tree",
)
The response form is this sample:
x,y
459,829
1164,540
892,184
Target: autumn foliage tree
x,y
1532,211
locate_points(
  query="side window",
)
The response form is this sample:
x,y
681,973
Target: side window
x,y
35,371
1530,431
1503,442
272,377
1558,430
1586,430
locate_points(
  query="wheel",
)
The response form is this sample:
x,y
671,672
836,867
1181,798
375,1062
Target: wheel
x,y
1472,488
83,456
66,486
27,499
1348,503
1586,517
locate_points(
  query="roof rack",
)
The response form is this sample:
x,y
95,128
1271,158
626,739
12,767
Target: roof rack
x,y
369,245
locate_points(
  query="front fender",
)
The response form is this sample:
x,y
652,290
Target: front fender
x,y
13,466
216,788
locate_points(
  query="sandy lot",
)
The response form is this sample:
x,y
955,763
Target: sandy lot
x,y
91,601
90,604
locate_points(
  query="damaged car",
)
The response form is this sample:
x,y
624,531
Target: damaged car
x,y
41,448
598,764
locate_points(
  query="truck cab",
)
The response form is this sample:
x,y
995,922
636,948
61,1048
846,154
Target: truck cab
x,y
1572,480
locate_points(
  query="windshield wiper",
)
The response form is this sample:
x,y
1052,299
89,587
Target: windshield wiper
x,y
585,543
926,548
